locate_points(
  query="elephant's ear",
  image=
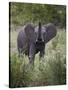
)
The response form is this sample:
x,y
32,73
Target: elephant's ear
x,y
29,31
50,31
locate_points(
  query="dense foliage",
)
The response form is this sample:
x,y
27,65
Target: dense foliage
x,y
51,71
21,13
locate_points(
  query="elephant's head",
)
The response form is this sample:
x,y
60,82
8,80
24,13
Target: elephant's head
x,y
40,34
43,34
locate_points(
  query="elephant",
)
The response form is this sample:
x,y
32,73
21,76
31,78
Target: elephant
x,y
32,40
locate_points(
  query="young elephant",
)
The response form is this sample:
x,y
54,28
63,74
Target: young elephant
x,y
33,40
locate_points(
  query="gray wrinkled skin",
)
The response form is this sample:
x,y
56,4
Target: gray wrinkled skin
x,y
32,40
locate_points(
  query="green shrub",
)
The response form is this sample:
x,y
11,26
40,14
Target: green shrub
x,y
50,72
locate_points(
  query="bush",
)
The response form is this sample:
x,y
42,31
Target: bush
x,y
50,72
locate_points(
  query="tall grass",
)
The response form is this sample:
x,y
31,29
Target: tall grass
x,y
51,71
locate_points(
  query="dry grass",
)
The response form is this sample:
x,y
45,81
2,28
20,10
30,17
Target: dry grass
x,y
50,72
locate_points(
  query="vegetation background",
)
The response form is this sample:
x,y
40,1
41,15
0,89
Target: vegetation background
x,y
53,70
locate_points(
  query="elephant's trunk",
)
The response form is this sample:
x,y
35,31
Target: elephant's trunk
x,y
39,32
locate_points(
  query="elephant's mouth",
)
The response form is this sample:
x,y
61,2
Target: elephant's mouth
x,y
40,45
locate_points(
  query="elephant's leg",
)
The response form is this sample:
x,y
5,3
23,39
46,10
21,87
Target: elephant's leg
x,y
31,53
20,51
41,59
41,56
21,54
31,60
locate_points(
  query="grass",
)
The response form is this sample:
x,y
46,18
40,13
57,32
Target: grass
x,y
50,72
